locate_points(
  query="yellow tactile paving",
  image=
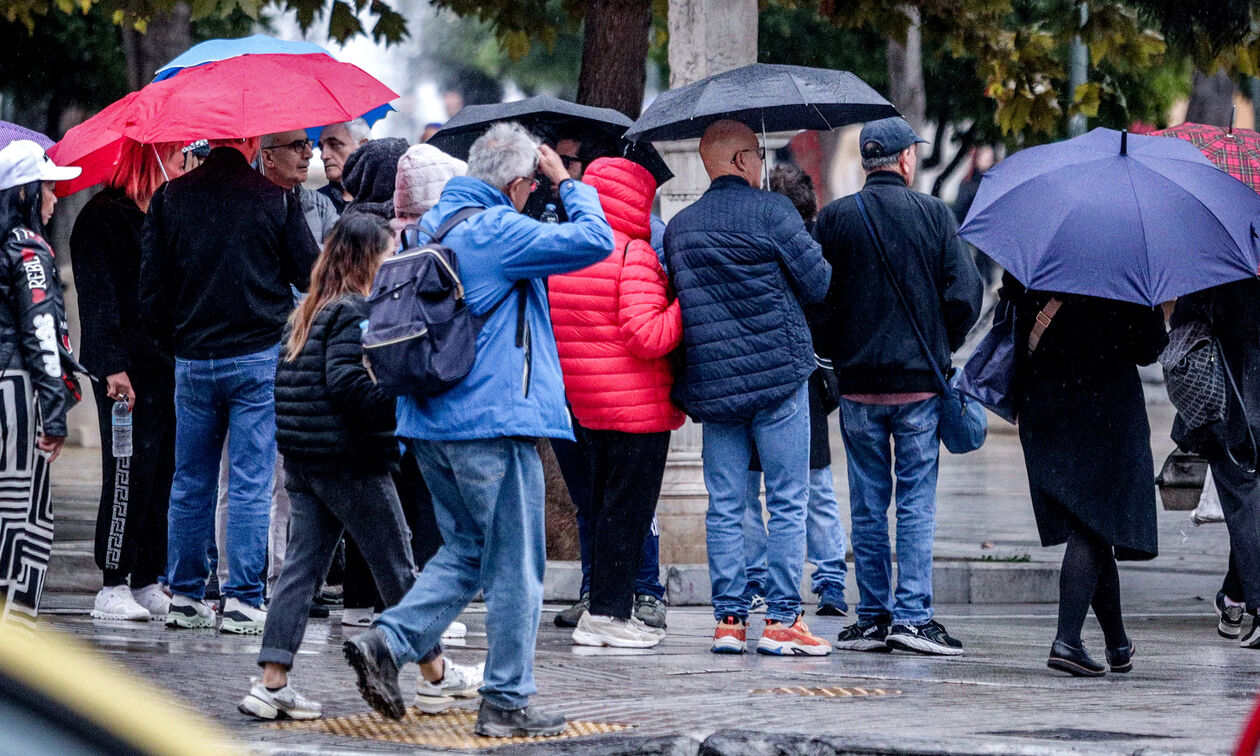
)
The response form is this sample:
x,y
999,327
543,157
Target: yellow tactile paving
x,y
797,690
450,729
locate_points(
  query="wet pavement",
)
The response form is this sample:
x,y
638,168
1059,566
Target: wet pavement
x,y
1189,693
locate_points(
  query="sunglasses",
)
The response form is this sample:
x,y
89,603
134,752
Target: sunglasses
x,y
569,159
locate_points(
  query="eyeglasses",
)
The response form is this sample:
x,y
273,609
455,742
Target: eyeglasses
x,y
533,182
300,146
761,153
567,159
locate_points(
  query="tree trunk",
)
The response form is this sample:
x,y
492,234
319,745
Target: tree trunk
x,y
614,55
1211,99
168,35
905,73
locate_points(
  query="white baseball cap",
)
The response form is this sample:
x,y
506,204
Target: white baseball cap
x,y
23,161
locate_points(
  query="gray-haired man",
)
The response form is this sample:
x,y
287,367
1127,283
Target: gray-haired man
x,y
336,142
474,443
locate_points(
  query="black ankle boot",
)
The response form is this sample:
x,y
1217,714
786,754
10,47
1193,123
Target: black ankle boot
x,y
1074,661
1121,659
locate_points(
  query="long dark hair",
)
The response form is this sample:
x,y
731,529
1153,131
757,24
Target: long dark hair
x,y
19,206
346,266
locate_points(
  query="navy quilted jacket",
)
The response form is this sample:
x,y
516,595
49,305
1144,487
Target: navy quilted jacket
x,y
743,264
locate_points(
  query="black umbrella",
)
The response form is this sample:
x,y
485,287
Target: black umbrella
x,y
599,129
765,97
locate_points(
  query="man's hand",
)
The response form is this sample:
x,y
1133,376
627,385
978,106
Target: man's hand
x,y
552,166
50,445
118,386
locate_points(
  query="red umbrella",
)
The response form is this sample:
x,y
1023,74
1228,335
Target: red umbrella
x,y
1235,151
239,97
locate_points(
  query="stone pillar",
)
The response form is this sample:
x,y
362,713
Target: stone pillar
x,y
705,37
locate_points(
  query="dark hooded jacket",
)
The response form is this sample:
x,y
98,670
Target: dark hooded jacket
x,y
369,175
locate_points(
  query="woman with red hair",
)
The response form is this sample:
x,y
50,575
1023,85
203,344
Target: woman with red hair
x,y
135,369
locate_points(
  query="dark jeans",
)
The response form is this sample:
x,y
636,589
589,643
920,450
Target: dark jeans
x,y
325,503
1239,491
135,491
571,456
625,472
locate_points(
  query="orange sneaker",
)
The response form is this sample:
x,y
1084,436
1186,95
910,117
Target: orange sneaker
x,y
782,640
730,636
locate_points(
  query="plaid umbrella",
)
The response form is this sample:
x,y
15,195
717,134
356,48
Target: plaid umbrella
x,y
1235,151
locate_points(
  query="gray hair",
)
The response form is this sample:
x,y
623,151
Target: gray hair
x,y
880,163
505,152
358,129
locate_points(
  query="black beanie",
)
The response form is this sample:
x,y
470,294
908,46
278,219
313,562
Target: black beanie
x,y
369,175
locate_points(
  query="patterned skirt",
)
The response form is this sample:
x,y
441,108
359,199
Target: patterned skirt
x,y
26,521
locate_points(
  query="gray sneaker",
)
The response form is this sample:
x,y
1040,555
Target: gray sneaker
x,y
377,673
285,703
527,721
569,617
1229,618
650,610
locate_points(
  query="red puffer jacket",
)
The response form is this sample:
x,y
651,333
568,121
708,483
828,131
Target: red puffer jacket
x,y
613,321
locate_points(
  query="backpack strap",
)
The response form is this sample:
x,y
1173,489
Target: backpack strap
x,y
410,240
1044,317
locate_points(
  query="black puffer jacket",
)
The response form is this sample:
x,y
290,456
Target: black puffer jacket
x,y
328,410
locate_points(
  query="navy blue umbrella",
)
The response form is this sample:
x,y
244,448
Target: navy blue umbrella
x,y
1116,215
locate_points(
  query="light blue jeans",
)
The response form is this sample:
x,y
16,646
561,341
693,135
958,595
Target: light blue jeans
x,y
211,398
824,537
488,499
781,435
870,432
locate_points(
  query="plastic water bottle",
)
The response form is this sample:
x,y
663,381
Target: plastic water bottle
x,y
550,215
121,421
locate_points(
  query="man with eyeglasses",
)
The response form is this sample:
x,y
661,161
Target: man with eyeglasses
x,y
286,160
744,265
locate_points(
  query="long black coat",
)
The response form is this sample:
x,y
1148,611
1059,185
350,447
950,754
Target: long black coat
x,y
1082,419
328,410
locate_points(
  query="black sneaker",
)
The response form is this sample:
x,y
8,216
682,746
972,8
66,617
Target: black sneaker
x,y
928,638
369,655
493,722
1251,639
650,610
317,611
569,617
864,635
1230,620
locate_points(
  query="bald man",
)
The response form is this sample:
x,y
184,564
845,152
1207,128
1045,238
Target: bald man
x,y
743,264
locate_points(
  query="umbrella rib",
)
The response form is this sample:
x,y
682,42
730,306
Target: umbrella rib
x,y
804,99
1146,248
1195,197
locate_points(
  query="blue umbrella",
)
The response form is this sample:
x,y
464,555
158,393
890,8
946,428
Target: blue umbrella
x,y
259,44
1116,215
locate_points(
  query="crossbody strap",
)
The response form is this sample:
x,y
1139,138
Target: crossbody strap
x,y
1044,317
901,297
458,217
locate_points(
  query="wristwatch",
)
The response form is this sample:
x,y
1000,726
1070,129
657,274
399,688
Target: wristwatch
x,y
560,186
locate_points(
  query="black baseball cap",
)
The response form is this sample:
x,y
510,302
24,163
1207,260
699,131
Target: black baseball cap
x,y
887,136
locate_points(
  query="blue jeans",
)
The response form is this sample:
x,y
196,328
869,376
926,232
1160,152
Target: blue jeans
x,y
781,435
213,397
571,455
824,537
488,500
867,430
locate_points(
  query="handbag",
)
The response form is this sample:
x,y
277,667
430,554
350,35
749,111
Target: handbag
x,y
1181,481
989,375
963,423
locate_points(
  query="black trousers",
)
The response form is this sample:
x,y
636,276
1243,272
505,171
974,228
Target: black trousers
x,y
417,507
135,491
625,472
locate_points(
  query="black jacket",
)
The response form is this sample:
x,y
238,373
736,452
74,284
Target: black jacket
x,y
328,409
221,246
105,249
33,330
868,336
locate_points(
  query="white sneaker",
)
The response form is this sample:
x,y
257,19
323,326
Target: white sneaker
x,y
285,703
458,682
596,630
115,603
241,618
189,612
154,598
455,631
358,617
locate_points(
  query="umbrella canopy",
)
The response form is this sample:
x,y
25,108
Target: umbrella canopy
x,y
239,97
1235,151
550,118
11,131
1109,214
259,44
765,97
